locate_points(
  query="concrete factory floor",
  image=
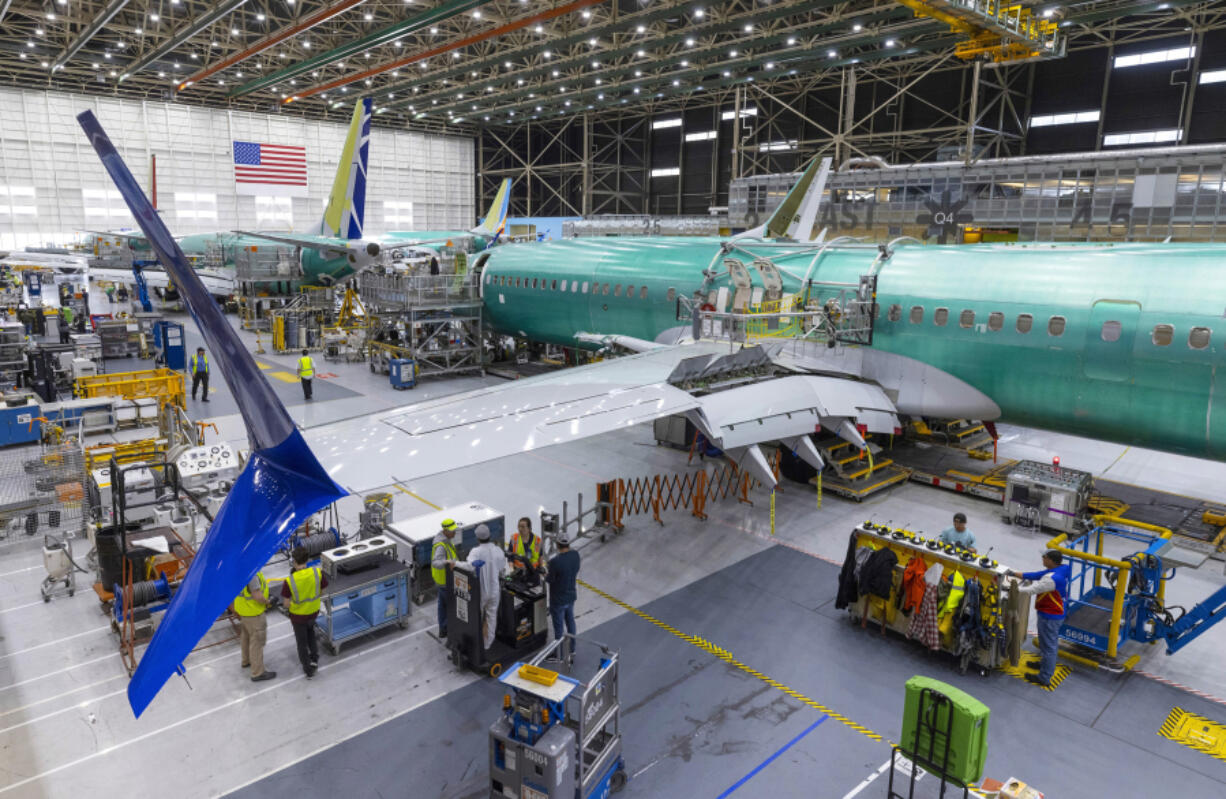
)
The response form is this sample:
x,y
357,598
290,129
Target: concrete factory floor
x,y
390,715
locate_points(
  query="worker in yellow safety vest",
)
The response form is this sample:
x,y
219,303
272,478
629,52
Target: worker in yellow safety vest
x,y
303,588
306,372
443,556
198,367
525,545
253,626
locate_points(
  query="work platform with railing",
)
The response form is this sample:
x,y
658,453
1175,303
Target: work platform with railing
x,y
433,320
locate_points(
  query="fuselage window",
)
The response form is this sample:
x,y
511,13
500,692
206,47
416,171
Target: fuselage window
x,y
940,316
671,294
605,290
996,320
574,286
1198,338
629,292
1162,335
1111,330
642,292
617,290
585,287
545,284
966,319
1024,322
563,285
895,312
1055,326
917,314
534,282
554,286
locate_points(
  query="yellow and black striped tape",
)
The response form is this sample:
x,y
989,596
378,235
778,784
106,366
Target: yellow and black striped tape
x,y
1195,732
1030,661
726,656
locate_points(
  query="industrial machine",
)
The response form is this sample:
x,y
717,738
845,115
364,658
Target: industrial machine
x,y
559,734
18,419
206,466
60,568
368,589
168,346
415,536
522,622
1114,599
402,372
1047,495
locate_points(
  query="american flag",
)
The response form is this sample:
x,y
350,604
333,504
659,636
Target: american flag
x,y
278,169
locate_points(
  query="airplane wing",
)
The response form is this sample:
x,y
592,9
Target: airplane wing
x,y
327,245
218,283
739,396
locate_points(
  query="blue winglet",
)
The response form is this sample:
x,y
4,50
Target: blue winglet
x,y
280,487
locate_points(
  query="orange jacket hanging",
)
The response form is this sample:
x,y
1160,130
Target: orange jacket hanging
x,y
913,584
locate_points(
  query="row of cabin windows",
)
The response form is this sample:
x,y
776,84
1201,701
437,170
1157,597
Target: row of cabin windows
x,y
562,285
1162,335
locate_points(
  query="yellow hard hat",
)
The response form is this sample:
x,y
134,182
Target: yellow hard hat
x,y
449,524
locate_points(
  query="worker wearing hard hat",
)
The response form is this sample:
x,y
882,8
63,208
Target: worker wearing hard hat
x,y
198,366
442,557
253,626
491,563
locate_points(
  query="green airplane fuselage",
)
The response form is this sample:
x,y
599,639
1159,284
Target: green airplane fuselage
x,y
1116,342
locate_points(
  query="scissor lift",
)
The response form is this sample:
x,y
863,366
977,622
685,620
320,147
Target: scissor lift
x,y
1114,600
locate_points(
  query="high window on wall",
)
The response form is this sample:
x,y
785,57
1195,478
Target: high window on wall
x,y
103,205
195,205
275,211
1064,119
17,201
1154,57
398,213
1142,137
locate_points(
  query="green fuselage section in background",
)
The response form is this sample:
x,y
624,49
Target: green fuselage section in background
x,y
1098,360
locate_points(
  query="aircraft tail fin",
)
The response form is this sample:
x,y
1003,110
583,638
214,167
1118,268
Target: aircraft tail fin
x,y
796,215
277,491
345,214
496,218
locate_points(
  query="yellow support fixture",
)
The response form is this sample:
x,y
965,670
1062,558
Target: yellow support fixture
x,y
166,385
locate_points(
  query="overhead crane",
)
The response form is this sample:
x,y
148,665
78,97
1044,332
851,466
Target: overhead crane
x,y
1005,33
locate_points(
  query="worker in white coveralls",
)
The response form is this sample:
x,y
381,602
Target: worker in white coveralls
x,y
494,564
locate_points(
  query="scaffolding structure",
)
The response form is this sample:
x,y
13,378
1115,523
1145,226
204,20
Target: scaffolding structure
x,y
434,320
265,277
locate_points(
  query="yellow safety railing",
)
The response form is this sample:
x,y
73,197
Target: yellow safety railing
x,y
1123,567
768,324
165,385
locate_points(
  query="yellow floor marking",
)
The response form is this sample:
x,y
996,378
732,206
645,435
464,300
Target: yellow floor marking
x,y
1195,732
726,656
414,496
1031,661
262,365
284,377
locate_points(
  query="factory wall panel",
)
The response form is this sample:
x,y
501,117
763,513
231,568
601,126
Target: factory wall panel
x,y
51,183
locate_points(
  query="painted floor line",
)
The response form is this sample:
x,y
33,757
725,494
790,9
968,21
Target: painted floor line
x,y
162,730
772,758
868,781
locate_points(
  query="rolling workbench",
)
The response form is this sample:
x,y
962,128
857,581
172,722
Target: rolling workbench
x,y
356,604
